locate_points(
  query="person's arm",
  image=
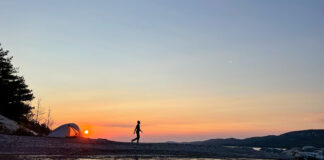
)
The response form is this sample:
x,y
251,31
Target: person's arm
x,y
135,130
140,129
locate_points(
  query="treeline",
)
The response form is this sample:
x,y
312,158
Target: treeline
x,y
16,100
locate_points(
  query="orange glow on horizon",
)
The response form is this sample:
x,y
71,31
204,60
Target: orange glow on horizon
x,y
189,119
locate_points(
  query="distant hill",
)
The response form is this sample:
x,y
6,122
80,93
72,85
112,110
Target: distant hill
x,y
314,137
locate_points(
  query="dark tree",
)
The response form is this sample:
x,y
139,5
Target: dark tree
x,y
14,93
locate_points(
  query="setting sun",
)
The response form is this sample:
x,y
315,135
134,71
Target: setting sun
x,y
86,132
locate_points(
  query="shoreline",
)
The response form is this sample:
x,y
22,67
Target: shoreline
x,y
124,157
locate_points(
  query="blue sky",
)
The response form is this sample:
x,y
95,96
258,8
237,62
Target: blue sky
x,y
169,49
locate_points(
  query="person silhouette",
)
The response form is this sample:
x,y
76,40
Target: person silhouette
x,y
137,130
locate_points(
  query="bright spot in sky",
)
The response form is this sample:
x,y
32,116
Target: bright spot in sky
x,y
86,132
230,61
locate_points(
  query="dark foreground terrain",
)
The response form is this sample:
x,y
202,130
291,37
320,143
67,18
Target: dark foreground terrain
x,y
73,147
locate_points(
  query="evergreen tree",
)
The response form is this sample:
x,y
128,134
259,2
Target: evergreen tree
x,y
14,93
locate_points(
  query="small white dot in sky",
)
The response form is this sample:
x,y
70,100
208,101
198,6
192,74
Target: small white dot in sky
x,y
230,61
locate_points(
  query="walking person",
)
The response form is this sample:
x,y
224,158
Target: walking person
x,y
137,130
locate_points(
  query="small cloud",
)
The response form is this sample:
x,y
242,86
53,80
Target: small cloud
x,y
116,125
230,61
321,120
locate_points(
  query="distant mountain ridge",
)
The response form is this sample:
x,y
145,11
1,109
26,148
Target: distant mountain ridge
x,y
312,137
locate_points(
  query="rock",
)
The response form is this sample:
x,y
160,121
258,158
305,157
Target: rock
x,y
309,148
306,153
8,125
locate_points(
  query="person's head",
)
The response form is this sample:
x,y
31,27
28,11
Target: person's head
x,y
138,122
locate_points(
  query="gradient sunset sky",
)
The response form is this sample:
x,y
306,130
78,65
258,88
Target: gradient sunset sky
x,y
189,70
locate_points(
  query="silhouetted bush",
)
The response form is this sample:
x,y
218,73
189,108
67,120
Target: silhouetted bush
x,y
22,132
41,129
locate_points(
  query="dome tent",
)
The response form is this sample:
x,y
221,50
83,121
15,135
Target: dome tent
x,y
66,130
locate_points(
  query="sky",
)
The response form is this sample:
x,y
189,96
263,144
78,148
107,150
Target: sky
x,y
188,69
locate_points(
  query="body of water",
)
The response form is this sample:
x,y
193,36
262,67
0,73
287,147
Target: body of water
x,y
109,157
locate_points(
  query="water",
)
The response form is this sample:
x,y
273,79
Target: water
x,y
109,157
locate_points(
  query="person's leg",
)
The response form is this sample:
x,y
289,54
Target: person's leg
x,y
134,139
138,137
